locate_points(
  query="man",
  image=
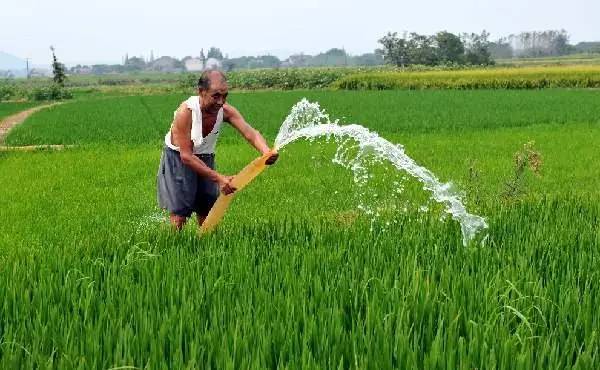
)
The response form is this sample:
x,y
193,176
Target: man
x,y
187,181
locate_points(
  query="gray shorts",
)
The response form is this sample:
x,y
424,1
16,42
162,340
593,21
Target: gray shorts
x,y
182,191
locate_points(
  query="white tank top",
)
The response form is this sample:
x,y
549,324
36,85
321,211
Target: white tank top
x,y
202,145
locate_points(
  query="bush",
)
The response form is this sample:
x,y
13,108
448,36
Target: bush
x,y
8,92
50,92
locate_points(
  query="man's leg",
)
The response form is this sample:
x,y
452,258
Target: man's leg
x,y
201,219
177,221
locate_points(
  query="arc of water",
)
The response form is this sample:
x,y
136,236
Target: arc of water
x,y
308,121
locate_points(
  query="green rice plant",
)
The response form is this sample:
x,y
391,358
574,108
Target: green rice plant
x,y
7,109
145,119
92,276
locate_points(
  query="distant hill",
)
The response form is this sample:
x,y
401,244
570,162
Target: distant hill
x,y
8,62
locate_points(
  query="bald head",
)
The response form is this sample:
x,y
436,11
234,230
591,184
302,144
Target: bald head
x,y
212,90
207,78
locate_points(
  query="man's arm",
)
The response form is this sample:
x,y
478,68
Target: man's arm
x,y
251,135
181,136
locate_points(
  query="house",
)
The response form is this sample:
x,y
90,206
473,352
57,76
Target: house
x,y
166,64
213,63
194,65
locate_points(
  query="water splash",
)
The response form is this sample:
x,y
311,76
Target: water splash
x,y
152,220
307,120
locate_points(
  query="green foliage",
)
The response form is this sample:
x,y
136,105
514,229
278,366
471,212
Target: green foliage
x,y
450,48
263,61
33,91
395,49
477,49
367,59
58,70
332,57
588,47
214,52
50,92
439,49
10,91
284,78
541,43
501,49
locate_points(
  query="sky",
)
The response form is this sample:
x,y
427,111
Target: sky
x,y
104,31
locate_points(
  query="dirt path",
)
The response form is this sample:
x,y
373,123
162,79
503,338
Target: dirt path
x,y
11,121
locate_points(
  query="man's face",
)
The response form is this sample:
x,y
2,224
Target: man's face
x,y
215,96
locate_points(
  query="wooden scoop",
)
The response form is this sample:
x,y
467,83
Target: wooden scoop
x,y
246,175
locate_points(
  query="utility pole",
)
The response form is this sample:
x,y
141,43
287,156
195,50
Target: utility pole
x,y
27,63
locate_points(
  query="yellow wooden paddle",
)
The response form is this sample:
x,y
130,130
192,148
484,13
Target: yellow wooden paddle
x,y
239,181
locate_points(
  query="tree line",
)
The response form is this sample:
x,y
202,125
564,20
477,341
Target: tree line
x,y
330,58
533,44
537,44
443,48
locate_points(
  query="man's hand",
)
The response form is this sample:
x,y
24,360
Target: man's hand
x,y
272,159
225,185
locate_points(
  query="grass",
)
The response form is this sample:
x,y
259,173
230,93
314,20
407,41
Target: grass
x,y
295,277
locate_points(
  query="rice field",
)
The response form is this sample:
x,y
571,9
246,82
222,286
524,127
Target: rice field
x,y
573,76
7,109
297,276
575,59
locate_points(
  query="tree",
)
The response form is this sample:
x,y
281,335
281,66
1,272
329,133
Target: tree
x,y
332,57
135,64
501,49
560,43
299,60
368,59
450,48
166,64
587,47
214,52
58,70
269,61
421,50
541,43
229,65
477,48
395,50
